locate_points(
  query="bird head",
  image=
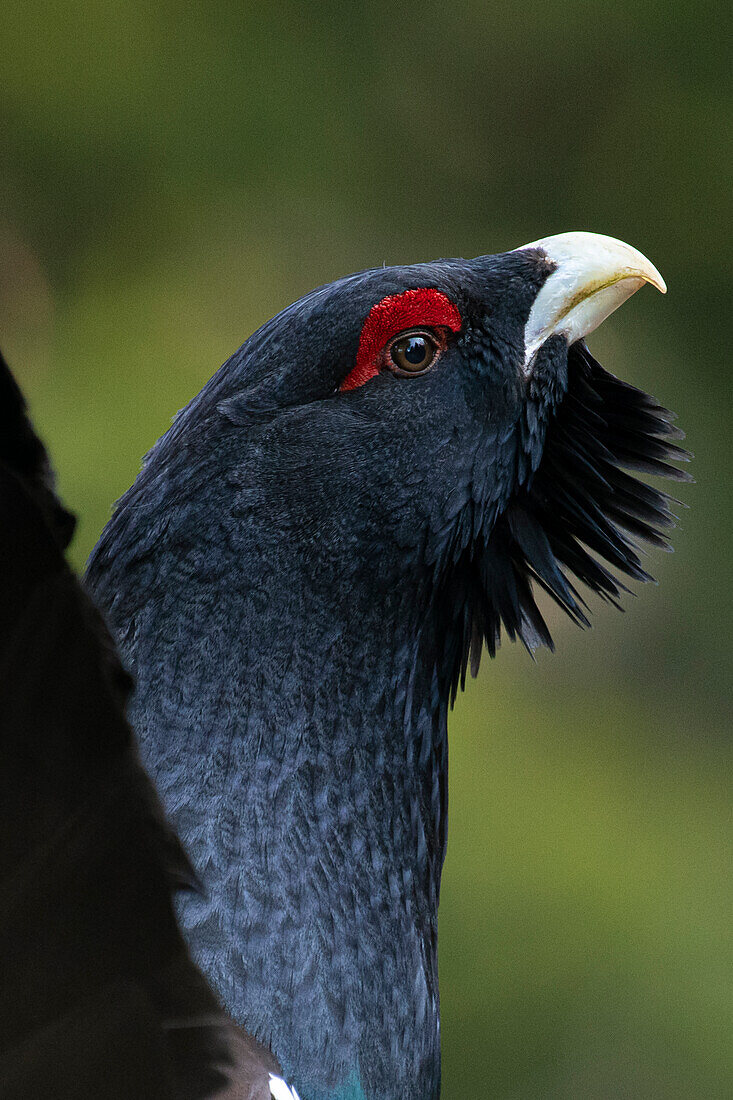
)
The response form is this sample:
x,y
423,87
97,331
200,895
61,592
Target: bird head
x,y
441,431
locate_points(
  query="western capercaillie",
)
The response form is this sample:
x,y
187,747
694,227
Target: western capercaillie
x,y
310,560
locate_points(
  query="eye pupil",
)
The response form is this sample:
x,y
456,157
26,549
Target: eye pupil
x,y
414,352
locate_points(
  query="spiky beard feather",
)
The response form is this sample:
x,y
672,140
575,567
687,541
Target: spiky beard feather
x,y
580,513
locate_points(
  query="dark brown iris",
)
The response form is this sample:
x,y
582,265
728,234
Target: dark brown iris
x,y
413,352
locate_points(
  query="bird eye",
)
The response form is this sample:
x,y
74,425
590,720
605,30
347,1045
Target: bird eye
x,y
413,352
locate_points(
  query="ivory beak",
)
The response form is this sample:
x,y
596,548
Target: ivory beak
x,y
594,275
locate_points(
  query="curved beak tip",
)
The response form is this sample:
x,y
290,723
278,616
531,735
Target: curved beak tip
x,y
592,276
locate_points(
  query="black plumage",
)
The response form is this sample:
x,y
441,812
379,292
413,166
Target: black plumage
x,y
580,511
308,564
98,997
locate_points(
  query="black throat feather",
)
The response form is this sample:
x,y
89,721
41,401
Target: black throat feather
x,y
580,514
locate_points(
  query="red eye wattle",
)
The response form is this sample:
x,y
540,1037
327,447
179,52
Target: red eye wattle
x,y
422,308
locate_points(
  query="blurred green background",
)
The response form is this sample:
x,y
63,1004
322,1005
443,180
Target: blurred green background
x,y
172,174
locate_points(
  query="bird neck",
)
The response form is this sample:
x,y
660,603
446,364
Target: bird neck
x,y
304,767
